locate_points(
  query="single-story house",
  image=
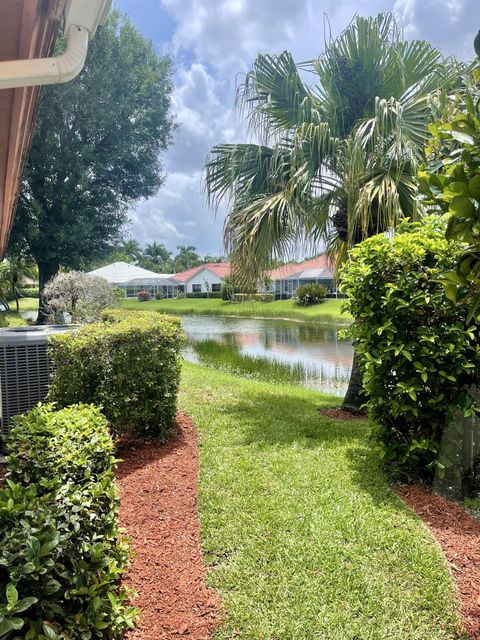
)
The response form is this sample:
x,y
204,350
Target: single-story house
x,y
287,279
206,278
133,279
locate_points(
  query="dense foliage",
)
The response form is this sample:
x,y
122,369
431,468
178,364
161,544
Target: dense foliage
x,y
80,295
451,183
129,364
415,351
143,296
309,294
61,551
97,148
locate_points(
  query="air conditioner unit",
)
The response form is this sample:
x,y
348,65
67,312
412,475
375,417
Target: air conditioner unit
x,y
24,369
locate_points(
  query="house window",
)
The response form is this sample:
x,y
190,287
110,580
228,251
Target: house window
x,y
216,287
196,288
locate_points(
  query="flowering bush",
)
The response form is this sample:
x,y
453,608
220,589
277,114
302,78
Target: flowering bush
x,y
78,295
143,296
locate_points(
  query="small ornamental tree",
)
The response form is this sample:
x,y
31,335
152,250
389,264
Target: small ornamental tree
x,y
83,297
416,354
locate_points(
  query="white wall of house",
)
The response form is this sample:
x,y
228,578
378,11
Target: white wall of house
x,y
197,282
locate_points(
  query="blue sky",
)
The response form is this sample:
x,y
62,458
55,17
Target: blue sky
x,y
211,42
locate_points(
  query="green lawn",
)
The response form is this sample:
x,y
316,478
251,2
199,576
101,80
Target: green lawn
x,y
304,538
14,319
327,311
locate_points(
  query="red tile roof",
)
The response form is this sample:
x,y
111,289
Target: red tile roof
x,y
320,262
220,269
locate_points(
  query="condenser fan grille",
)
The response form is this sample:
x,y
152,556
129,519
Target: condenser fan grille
x,y
24,373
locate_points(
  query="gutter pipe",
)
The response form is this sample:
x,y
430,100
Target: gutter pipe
x,y
82,18
55,70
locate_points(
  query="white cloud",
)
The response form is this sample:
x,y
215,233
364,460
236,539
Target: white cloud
x,y
178,215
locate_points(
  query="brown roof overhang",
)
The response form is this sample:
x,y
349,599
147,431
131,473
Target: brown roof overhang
x,y
28,29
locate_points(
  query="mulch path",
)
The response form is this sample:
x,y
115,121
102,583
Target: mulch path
x,y
458,535
340,414
158,491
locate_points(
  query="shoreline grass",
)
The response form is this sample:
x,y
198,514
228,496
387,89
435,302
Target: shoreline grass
x,y
227,357
328,311
302,534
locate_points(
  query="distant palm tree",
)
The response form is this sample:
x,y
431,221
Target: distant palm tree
x,y
131,248
186,258
339,156
157,253
13,273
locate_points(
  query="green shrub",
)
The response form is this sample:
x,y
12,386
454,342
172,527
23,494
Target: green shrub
x,y
143,296
309,294
26,292
415,351
203,295
253,297
61,551
129,364
119,293
450,183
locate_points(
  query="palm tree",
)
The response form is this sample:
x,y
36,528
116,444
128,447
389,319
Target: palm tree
x,y
186,258
131,248
157,253
13,273
338,157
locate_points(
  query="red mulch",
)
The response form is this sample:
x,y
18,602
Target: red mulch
x,y
340,414
158,490
458,534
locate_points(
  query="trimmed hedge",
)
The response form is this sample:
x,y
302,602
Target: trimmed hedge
x,y
417,354
253,297
203,294
129,364
61,551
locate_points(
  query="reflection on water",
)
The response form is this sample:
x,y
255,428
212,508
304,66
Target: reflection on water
x,y
326,359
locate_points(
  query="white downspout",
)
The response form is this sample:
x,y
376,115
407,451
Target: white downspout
x,y
40,71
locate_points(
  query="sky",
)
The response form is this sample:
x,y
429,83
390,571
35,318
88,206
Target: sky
x,y
214,42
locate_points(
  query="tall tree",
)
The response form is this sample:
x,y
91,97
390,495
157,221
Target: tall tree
x,y
96,150
157,258
338,158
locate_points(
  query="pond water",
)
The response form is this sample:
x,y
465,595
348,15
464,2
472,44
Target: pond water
x,y
315,353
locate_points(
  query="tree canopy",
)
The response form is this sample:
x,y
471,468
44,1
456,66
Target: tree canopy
x,y
97,149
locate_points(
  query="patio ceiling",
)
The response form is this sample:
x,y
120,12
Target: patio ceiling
x,y
28,29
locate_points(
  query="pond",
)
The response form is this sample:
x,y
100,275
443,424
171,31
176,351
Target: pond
x,y
313,355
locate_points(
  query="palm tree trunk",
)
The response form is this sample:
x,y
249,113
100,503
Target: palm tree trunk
x,y
46,271
354,398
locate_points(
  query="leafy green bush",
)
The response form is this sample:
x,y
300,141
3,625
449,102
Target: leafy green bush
x,y
129,364
61,551
309,294
415,350
203,294
143,296
119,293
451,183
253,297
